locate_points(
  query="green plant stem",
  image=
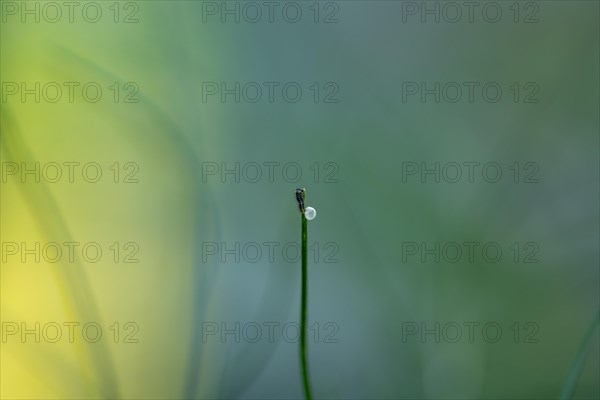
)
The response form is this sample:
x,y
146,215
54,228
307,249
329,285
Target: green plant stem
x,y
579,362
303,312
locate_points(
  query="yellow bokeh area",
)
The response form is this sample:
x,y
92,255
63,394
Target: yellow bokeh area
x,y
88,171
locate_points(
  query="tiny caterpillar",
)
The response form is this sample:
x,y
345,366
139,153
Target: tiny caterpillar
x,y
309,212
300,199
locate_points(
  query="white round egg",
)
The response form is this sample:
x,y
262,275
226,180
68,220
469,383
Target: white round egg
x,y
310,213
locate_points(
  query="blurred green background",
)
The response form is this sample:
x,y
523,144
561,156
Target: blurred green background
x,y
376,307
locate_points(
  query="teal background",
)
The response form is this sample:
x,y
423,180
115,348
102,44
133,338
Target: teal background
x,y
370,293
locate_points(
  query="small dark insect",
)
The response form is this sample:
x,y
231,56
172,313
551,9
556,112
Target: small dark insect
x,y
300,199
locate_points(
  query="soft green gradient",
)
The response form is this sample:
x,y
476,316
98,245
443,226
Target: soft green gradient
x,y
369,213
